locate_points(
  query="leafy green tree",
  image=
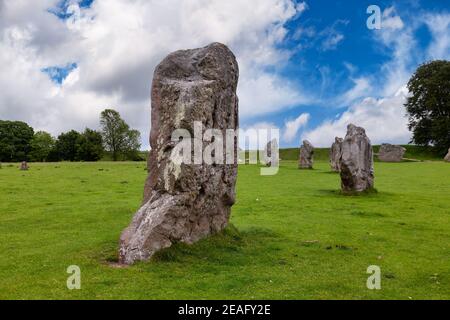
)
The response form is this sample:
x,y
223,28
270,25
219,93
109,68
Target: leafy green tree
x,y
15,141
66,145
89,146
118,138
428,106
41,146
133,145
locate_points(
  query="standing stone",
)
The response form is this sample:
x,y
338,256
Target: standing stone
x,y
271,158
306,157
391,153
24,166
356,162
447,157
335,154
186,202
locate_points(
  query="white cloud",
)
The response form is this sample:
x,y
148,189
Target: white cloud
x,y
390,20
291,127
384,121
331,36
361,88
439,26
331,42
302,6
401,44
256,136
117,44
262,93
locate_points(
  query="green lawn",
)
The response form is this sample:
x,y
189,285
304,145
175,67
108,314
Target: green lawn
x,y
294,236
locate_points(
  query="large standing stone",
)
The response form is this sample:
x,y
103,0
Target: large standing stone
x,y
24,166
335,154
447,157
306,157
356,163
184,203
271,155
391,153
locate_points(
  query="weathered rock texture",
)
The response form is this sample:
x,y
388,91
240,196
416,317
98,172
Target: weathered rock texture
x,y
447,157
356,162
391,153
306,158
335,154
271,159
24,166
187,202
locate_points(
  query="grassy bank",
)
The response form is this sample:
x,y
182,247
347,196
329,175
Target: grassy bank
x,y
322,154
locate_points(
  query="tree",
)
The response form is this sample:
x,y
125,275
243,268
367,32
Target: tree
x,y
89,146
117,136
428,106
15,141
133,145
66,145
41,146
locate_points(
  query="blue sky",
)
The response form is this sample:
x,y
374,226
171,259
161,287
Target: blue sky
x,y
308,68
337,47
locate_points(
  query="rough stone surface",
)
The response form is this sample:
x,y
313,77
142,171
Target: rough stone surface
x,y
356,162
269,158
24,166
335,154
306,158
187,202
447,157
391,153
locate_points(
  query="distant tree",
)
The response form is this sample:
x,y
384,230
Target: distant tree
x,y
41,146
428,106
117,136
133,145
15,141
66,145
89,146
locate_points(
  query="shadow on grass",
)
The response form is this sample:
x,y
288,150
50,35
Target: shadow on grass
x,y
334,173
229,247
339,193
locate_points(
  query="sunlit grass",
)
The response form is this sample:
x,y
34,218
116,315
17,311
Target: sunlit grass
x,y
293,236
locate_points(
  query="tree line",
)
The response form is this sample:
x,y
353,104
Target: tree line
x,y
19,142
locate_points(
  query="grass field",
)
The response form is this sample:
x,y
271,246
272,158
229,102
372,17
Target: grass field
x,y
293,236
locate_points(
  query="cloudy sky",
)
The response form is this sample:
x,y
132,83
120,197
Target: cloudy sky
x,y
307,67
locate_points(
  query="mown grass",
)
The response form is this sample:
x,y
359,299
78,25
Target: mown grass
x,y
293,236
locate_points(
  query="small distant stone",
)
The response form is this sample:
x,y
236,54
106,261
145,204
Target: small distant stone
x,y
447,157
335,154
306,158
271,159
24,166
391,153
